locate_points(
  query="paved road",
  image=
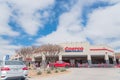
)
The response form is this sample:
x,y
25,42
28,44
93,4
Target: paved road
x,y
86,74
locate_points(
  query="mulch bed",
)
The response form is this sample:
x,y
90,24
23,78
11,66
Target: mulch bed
x,y
33,73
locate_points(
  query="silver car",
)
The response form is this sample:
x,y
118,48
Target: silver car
x,y
13,70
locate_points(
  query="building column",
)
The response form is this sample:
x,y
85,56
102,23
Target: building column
x,y
43,61
43,57
114,60
33,59
89,59
118,61
60,57
107,58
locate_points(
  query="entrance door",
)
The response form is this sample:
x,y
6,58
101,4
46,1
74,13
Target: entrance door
x,y
78,61
117,61
72,62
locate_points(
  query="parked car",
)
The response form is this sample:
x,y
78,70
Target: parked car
x,y
13,70
117,66
60,64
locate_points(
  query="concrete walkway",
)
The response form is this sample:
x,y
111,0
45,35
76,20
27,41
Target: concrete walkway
x,y
86,74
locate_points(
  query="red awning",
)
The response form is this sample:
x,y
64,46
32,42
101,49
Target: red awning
x,y
28,59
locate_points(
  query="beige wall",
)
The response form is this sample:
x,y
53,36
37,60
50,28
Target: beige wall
x,y
87,48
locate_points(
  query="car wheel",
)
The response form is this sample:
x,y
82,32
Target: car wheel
x,y
67,66
54,66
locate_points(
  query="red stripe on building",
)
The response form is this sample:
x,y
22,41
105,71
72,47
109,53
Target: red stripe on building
x,y
102,49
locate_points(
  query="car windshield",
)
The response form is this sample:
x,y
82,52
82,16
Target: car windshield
x,y
14,63
59,61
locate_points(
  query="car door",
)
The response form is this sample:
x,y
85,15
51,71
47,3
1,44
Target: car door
x,y
61,64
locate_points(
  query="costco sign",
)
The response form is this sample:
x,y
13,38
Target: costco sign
x,y
74,49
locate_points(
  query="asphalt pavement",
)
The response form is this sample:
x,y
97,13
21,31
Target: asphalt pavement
x,y
86,74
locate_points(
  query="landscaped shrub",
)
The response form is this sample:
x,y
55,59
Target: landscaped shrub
x,y
56,71
39,73
63,69
52,67
48,71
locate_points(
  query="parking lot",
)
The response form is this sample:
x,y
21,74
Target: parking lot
x,y
86,74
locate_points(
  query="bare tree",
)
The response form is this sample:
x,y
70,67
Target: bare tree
x,y
50,51
54,52
25,52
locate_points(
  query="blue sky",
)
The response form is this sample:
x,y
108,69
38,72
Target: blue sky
x,y
26,23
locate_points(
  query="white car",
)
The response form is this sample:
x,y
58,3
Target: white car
x,y
13,70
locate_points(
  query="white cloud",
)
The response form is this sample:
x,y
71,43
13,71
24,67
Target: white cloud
x,y
61,36
115,44
114,1
103,24
5,14
117,51
69,28
7,48
28,16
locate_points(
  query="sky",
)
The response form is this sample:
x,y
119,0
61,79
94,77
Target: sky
x,y
35,22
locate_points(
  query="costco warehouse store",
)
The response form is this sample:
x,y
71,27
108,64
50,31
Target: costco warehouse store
x,y
84,54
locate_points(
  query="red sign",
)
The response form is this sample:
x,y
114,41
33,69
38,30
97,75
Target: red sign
x,y
74,49
28,59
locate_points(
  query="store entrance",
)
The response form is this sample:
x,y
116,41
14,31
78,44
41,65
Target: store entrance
x,y
98,59
111,60
38,61
75,61
117,61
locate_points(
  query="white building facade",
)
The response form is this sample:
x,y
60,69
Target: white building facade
x,y
83,53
